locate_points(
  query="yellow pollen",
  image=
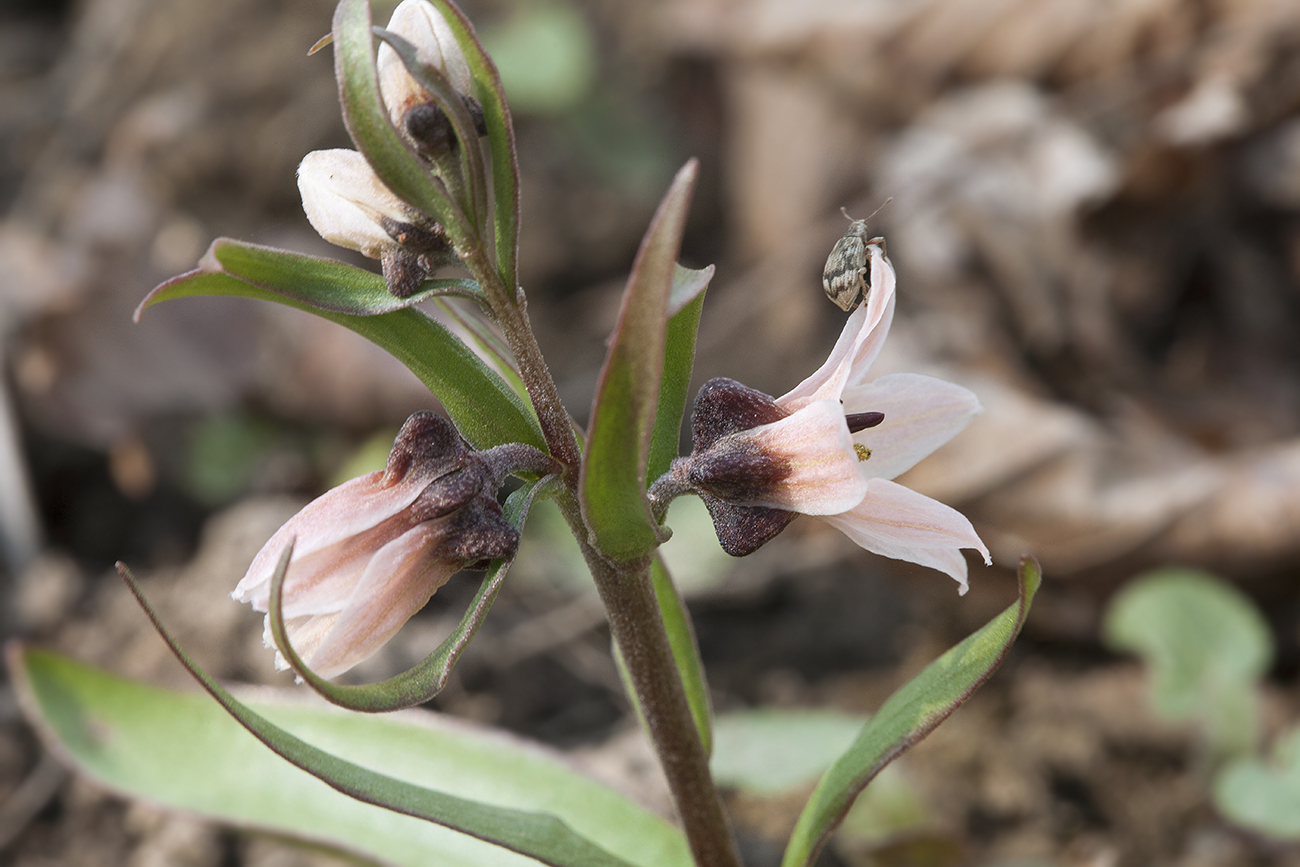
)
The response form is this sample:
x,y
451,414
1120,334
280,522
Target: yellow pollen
x,y
862,451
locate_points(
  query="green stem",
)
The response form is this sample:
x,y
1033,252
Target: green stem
x,y
626,591
637,626
511,313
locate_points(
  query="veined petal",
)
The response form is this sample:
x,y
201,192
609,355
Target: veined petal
x,y
345,201
399,580
351,509
921,414
897,522
859,342
824,478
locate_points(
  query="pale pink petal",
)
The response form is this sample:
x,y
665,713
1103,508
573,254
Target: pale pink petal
x,y
884,282
340,513
921,414
859,342
824,477
398,582
828,379
305,635
898,522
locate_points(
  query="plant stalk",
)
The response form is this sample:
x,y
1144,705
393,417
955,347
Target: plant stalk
x,y
637,626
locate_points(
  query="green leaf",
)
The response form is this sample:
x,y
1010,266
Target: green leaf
x,y
613,478
1205,644
501,136
323,284
769,750
686,651
906,717
425,680
1261,797
685,303
182,750
485,409
373,133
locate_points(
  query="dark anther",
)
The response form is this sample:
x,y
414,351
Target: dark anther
x,y
862,420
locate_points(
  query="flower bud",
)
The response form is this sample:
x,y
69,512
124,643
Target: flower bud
x,y
418,22
368,554
348,205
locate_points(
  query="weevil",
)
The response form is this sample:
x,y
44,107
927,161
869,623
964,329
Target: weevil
x,y
845,276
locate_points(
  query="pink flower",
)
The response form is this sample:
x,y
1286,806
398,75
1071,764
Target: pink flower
x,y
370,553
831,446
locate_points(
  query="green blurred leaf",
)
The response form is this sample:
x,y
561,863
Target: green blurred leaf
x,y
224,453
183,751
906,717
1261,797
546,55
425,680
501,138
368,457
371,130
324,284
1205,644
685,303
485,409
770,750
613,479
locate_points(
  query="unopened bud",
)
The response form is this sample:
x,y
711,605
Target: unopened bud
x,y
347,203
422,25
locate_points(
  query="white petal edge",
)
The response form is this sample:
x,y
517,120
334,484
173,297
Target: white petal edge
x,y
897,522
824,475
344,200
921,414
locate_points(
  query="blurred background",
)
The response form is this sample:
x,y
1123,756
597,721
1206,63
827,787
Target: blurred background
x,y
1095,218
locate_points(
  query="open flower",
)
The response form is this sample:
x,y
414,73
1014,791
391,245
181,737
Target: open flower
x,y
831,447
368,554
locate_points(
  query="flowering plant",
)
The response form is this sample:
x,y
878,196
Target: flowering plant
x,y
433,183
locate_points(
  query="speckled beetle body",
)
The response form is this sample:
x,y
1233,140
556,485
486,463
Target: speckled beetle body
x,y
845,275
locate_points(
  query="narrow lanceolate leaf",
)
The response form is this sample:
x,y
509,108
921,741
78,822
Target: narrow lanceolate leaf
x,y
686,650
422,682
686,654
181,750
501,137
325,284
907,716
372,131
485,409
613,479
686,301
